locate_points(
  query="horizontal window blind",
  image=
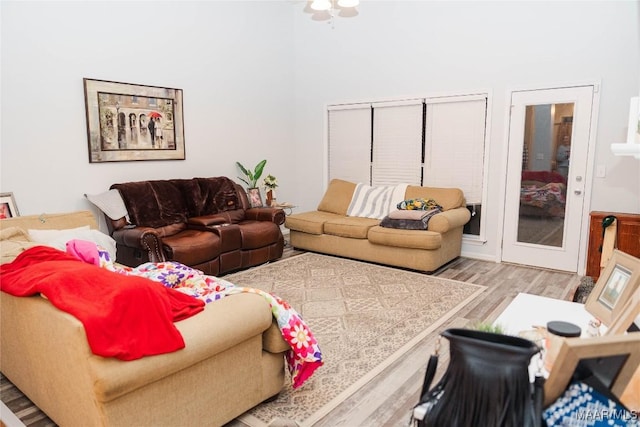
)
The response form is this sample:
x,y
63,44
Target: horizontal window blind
x,y
434,141
397,143
454,145
350,142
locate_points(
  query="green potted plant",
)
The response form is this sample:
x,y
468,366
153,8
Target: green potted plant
x,y
252,177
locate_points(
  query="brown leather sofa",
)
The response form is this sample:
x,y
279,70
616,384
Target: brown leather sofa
x,y
205,223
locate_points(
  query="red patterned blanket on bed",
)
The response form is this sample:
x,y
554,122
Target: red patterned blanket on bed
x,y
126,317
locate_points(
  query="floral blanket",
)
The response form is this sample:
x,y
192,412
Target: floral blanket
x,y
303,358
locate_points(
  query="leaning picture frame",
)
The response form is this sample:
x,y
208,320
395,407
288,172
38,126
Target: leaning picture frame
x,y
629,313
617,282
612,359
8,207
132,122
255,199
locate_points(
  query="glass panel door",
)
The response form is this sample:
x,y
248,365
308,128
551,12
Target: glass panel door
x,y
545,168
549,138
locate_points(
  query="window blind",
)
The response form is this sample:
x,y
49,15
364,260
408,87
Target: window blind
x,y
397,143
350,142
454,145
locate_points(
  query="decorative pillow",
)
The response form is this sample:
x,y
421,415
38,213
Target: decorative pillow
x,y
419,204
111,203
58,238
43,236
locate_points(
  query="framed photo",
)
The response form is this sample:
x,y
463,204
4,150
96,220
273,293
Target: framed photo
x,y
130,122
8,207
611,359
255,199
629,313
616,284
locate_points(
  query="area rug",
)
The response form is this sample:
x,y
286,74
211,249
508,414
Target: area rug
x,y
364,316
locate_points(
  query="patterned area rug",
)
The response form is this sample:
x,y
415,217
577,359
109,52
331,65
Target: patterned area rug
x,y
364,316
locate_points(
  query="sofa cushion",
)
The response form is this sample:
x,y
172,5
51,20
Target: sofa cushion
x,y
415,239
448,198
310,222
192,247
153,203
338,196
258,234
350,226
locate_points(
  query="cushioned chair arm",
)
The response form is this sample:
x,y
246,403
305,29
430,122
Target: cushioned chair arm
x,y
448,220
145,238
274,215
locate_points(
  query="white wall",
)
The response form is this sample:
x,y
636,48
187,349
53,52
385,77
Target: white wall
x,y
414,48
257,76
232,59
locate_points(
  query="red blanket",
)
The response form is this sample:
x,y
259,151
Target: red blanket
x,y
127,317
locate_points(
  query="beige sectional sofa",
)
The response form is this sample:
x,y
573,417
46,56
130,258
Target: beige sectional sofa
x,y
329,230
232,361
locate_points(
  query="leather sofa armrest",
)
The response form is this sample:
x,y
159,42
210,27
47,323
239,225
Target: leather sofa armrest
x,y
275,215
145,238
448,220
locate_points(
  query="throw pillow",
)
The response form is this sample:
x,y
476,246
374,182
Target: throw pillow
x,y
419,204
58,238
110,202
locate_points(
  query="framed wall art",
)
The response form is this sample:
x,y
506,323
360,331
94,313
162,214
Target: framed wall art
x,y
8,207
131,122
618,281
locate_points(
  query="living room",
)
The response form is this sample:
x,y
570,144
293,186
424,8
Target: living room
x,y
257,78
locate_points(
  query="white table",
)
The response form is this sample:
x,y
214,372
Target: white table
x,y
527,311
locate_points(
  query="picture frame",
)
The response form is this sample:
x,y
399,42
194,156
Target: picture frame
x,y
255,199
133,122
617,282
618,357
8,206
629,313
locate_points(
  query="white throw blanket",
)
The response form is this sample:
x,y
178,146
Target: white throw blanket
x,y
375,202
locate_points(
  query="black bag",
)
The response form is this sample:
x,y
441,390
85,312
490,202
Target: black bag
x,y
486,384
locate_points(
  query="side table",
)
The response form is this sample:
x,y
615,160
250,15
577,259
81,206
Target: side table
x,y
286,207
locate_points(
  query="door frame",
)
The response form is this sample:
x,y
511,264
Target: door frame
x,y
591,148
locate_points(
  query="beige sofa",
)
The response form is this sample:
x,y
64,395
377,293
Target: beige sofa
x,y
233,359
329,230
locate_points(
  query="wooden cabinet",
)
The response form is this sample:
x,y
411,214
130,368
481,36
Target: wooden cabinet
x,y
627,239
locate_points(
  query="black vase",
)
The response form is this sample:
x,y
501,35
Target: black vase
x,y
486,383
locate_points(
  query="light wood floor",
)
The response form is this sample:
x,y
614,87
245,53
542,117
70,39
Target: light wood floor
x,y
388,399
